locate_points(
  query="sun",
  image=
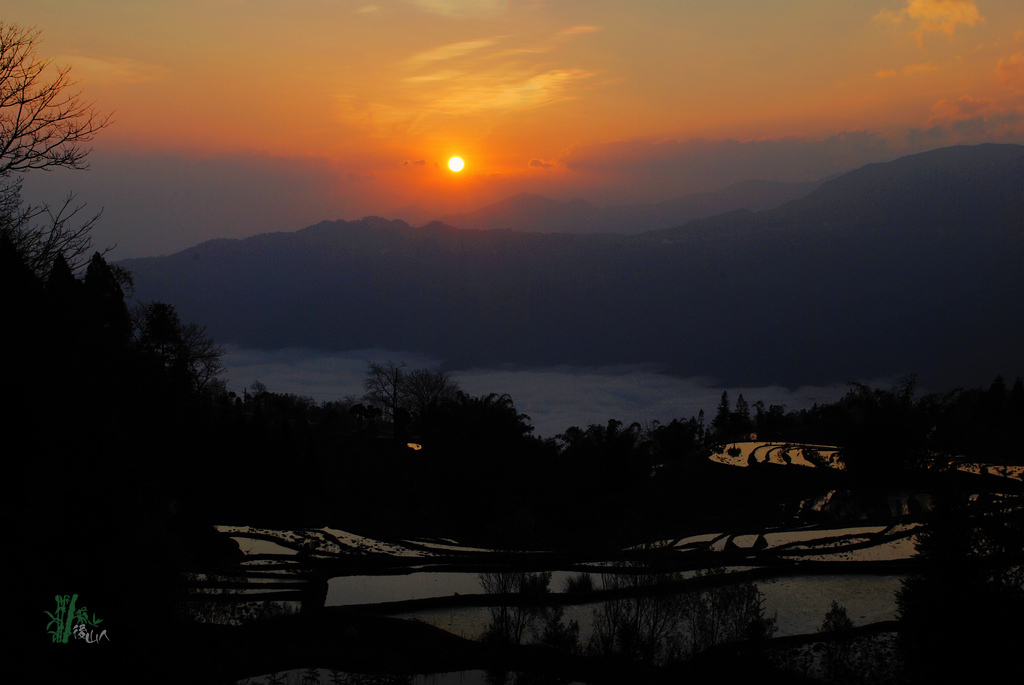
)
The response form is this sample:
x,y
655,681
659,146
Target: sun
x,y
455,164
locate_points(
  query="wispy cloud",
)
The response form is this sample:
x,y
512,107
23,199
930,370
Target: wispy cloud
x,y
433,77
575,30
450,51
112,71
909,70
933,16
507,90
437,96
493,75
462,8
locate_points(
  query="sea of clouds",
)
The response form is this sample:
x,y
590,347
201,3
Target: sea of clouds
x,y
554,398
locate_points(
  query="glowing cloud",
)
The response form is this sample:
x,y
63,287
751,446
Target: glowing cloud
x,y
979,118
444,75
1010,71
575,30
944,15
962,109
934,16
502,90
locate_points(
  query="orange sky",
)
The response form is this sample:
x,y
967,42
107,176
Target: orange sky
x,y
593,98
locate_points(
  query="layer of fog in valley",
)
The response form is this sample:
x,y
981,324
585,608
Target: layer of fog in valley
x,y
554,398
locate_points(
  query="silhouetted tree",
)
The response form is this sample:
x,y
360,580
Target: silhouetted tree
x,y
742,423
879,430
728,613
677,440
723,415
185,353
104,293
731,424
385,387
558,635
512,617
770,423
423,388
960,616
1017,394
645,626
203,357
494,418
614,450
21,301
65,296
44,124
837,649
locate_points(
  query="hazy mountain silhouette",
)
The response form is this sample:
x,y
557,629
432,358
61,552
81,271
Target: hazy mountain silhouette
x,y
911,266
527,212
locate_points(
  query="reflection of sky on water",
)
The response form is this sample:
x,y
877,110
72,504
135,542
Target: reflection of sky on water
x,y
303,677
250,546
463,678
849,543
902,548
802,601
800,604
345,590
471,622
772,452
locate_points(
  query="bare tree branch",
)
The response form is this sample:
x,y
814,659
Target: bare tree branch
x,y
184,349
385,386
44,124
426,387
203,356
39,242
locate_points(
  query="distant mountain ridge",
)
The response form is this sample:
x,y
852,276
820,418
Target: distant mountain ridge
x,y
528,212
912,266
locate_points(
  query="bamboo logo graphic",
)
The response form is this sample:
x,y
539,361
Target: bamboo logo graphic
x,y
70,620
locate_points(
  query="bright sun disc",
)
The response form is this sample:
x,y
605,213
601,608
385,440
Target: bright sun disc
x,y
455,164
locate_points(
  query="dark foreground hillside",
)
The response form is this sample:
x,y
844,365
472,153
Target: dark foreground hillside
x,y
124,471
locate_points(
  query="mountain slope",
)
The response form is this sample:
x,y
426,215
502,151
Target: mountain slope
x,y
526,212
911,266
